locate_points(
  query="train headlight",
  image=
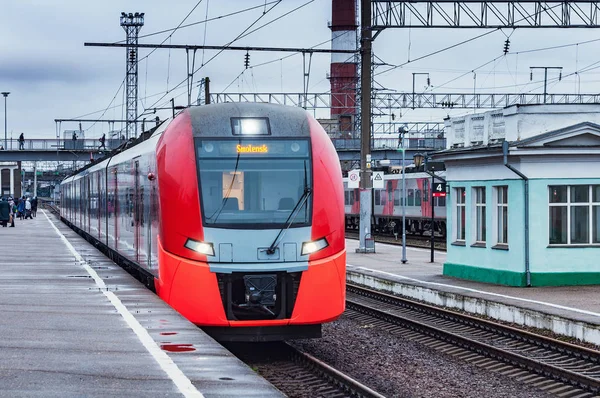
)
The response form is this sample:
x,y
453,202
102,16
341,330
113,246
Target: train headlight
x,y
200,247
250,126
314,246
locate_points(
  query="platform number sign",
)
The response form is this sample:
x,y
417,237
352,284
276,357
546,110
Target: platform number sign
x,y
439,189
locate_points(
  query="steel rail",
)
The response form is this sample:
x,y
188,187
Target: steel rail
x,y
445,326
333,375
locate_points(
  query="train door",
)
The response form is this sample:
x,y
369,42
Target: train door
x,y
99,203
88,203
114,207
426,197
137,211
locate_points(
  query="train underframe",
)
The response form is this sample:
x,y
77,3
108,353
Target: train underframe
x,y
392,225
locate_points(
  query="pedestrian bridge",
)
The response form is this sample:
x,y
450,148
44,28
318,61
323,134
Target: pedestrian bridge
x,y
86,149
54,149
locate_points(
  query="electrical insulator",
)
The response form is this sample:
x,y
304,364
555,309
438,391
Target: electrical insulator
x,y
247,60
531,76
428,81
560,76
506,46
132,55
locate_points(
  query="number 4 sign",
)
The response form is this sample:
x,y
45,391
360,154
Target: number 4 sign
x,y
439,189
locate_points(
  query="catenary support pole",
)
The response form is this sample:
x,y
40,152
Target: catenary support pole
x,y
404,260
365,130
432,219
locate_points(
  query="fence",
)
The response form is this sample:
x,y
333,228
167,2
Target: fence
x,y
13,144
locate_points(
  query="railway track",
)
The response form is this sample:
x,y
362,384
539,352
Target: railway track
x,y
411,240
551,365
298,374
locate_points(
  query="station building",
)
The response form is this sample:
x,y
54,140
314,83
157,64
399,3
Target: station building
x,y
10,179
524,195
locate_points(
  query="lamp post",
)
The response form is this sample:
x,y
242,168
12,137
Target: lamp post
x,y
418,159
404,260
5,94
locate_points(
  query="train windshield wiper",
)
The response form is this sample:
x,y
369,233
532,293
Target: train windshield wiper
x,y
301,202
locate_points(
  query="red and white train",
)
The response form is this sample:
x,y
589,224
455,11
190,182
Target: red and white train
x,y
232,212
387,205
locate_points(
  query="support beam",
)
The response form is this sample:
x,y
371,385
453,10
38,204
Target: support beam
x,y
485,14
406,100
223,48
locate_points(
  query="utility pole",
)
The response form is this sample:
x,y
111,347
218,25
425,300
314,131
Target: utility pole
x,y
365,128
5,94
35,179
545,68
132,24
413,86
206,90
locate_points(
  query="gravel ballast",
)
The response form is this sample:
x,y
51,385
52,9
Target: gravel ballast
x,y
397,367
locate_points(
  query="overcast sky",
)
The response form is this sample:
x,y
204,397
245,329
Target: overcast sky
x,y
51,75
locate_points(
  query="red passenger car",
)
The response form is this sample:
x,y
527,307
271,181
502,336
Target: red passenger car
x,y
233,212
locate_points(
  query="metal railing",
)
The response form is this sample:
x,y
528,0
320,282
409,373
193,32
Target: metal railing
x,y
391,143
14,144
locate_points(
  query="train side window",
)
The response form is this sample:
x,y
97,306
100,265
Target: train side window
x,y
411,197
442,201
397,197
377,197
418,197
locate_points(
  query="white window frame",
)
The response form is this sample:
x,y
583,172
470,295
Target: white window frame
x,y
458,208
479,215
590,204
499,208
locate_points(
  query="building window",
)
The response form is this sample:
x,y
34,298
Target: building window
x,y
574,213
460,213
502,215
480,214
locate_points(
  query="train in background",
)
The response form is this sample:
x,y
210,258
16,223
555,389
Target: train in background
x,y
388,202
233,213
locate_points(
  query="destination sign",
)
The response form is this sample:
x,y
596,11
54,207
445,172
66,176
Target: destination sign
x,y
252,148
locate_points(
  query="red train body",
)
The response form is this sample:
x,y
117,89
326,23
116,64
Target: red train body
x,y
235,212
388,202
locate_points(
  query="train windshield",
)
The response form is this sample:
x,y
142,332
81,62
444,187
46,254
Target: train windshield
x,y
248,183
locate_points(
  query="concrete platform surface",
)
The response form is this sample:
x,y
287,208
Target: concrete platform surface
x,y
568,310
74,324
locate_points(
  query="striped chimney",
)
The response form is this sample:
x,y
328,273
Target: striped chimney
x,y
343,77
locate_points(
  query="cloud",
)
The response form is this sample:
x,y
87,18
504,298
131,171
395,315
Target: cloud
x,y
35,70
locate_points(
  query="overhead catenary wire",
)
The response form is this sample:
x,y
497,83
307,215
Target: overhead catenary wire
x,y
219,52
203,21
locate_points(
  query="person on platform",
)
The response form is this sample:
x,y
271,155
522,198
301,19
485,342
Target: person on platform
x,y
102,141
21,208
5,216
34,205
28,209
21,142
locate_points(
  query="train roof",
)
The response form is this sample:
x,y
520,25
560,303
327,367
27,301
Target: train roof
x,y
215,120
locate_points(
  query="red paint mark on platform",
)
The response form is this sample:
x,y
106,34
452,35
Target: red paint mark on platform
x,y
177,347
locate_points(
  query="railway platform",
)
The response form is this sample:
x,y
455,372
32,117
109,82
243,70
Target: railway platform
x,y
572,311
76,324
